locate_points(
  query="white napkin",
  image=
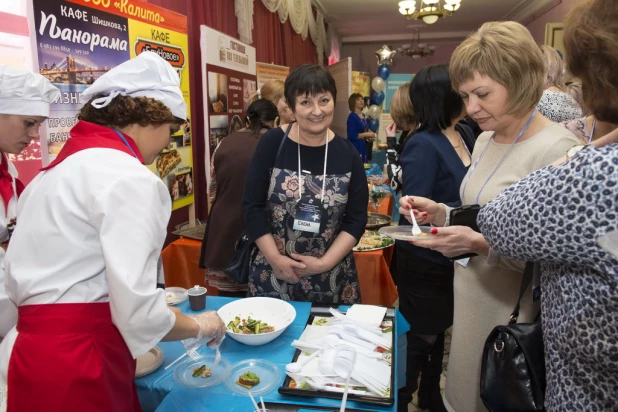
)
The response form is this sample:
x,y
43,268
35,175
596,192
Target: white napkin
x,y
369,314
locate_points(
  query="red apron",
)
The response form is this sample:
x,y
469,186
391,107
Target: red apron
x,y
70,357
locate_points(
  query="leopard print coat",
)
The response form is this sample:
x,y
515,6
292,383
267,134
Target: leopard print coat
x,y
556,215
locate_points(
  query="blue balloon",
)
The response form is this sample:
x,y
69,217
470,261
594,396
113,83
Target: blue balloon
x,y
373,124
384,71
378,98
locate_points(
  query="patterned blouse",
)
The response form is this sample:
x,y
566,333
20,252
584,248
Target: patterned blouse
x,y
559,216
579,127
559,106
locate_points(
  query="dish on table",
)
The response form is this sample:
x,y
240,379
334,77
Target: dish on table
x,y
175,295
249,326
377,220
194,373
267,373
273,312
372,240
149,362
405,232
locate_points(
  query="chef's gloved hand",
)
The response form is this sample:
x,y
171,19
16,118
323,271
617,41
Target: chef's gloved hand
x,y
211,331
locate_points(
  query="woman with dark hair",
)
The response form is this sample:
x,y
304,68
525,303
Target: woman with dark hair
x,y
82,265
358,132
305,200
434,161
228,172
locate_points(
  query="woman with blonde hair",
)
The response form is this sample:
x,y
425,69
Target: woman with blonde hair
x,y
404,120
499,72
555,104
273,90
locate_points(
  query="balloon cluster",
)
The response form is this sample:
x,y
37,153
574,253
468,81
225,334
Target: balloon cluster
x,y
378,84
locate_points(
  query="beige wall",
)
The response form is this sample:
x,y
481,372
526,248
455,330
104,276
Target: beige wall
x,y
555,15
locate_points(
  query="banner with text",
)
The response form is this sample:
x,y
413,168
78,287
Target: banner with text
x,y
267,72
392,84
228,79
77,41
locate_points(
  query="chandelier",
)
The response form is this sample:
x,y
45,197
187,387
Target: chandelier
x,y
429,10
418,50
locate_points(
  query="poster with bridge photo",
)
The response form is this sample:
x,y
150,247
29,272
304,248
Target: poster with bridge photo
x,y
77,41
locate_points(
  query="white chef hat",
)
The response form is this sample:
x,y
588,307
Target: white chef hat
x,y
25,93
146,75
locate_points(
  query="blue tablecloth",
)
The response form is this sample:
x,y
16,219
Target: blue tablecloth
x,y
159,391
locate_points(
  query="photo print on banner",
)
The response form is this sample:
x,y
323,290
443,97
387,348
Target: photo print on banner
x,y
77,41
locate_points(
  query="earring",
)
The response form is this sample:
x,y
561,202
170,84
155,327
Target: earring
x,y
277,121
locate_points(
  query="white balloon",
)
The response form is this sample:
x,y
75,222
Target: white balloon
x,y
374,110
378,84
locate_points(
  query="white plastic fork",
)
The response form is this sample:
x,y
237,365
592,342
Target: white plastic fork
x,y
217,356
194,355
415,229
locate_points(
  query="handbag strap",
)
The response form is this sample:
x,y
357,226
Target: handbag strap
x,y
525,282
285,136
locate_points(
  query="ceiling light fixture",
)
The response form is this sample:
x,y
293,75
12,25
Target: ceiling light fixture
x,y
416,50
429,11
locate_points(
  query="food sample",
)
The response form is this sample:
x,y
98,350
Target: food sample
x,y
170,297
373,240
248,380
422,234
249,326
166,162
202,371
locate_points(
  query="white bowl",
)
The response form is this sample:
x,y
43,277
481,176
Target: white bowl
x,y
275,312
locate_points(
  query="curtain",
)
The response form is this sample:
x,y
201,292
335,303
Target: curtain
x,y
267,35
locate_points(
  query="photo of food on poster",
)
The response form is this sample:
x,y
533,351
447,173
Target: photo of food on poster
x,y
78,41
229,78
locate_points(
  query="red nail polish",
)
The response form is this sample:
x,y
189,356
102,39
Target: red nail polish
x,y
434,231
411,242
415,212
424,214
408,207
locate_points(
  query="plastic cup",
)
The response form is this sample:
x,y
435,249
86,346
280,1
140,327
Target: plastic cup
x,y
197,298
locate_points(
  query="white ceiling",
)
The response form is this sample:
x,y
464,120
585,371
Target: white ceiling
x,y
366,21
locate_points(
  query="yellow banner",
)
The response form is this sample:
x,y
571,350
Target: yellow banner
x,y
173,166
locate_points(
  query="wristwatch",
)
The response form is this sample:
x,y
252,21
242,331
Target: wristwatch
x,y
573,150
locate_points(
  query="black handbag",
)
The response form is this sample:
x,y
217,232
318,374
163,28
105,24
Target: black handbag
x,y
238,268
513,367
465,216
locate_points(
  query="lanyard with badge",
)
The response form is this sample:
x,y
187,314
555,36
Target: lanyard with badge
x,y
594,123
308,211
126,143
475,165
462,216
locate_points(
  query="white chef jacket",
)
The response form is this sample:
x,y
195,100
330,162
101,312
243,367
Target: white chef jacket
x,y
8,310
91,229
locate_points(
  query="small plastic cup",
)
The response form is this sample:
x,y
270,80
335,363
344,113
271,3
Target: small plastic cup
x,y
197,298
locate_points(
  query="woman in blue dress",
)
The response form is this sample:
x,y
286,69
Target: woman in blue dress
x,y
358,132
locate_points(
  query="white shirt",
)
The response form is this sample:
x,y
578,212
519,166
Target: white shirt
x,y
8,310
91,230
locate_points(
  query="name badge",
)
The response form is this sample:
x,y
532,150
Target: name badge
x,y
308,216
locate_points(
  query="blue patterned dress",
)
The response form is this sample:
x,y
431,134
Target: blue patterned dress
x,y
559,216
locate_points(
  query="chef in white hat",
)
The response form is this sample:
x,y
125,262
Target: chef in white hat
x,y
24,104
82,266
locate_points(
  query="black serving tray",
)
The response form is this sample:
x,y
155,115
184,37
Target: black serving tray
x,y
287,407
285,389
